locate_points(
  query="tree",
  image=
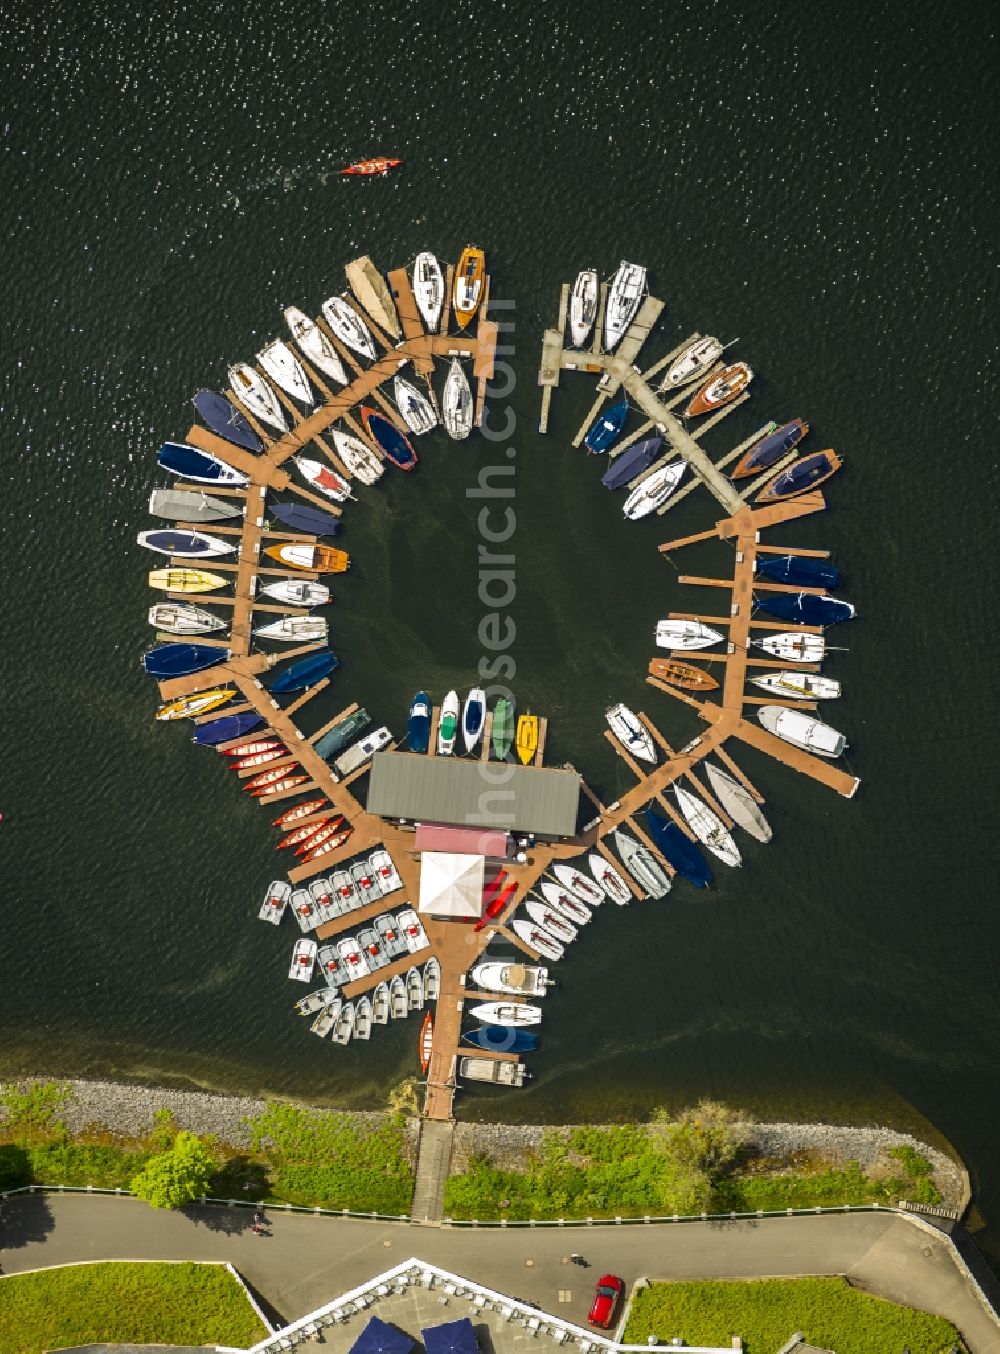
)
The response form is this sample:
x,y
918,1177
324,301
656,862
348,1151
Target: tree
x,y
706,1138
176,1177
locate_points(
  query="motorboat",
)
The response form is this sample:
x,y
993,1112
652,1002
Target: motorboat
x,y
492,1071
349,327
188,544
323,478
425,1043
551,920
794,646
360,753
632,462
324,896
359,460
327,1018
414,989
303,960
413,931
585,889
179,660
457,408
304,910
225,420
634,737
624,297
380,1004
605,428
473,714
503,728
516,1014
652,492
416,409
353,956
538,938
369,287
363,1018
798,685
608,878
180,505
315,1001
808,608
317,559
448,724
370,168
686,635
297,592
418,723
197,703
304,674
365,882
801,476
396,445
200,467
738,802
526,742
501,1039
315,346
707,827
521,980
642,865
678,848
375,952
294,629
345,891
687,366
256,395
186,580
428,289
226,728
342,733
275,902
687,675
802,730
384,871
278,787
180,618
583,306
467,287
432,979
720,389
344,1025
330,966
399,1005
769,448
806,571
565,903
391,936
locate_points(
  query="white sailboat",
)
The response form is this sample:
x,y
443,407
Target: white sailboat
x,y
686,635
457,405
798,685
583,306
519,1013
358,458
428,289
652,492
294,629
180,618
297,592
256,395
315,345
417,410
794,646
642,865
634,737
285,370
738,802
609,879
708,827
623,301
348,326
693,362
323,478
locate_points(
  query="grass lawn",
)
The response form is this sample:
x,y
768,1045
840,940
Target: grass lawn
x,y
766,1313
180,1304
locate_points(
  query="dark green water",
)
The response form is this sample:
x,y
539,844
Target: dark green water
x,y
816,189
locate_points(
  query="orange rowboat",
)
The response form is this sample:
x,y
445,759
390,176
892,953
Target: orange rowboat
x,y
298,811
682,674
719,389
366,168
279,786
426,1042
467,287
326,847
316,559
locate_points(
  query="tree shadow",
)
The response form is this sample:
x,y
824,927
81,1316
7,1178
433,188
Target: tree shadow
x,y
240,1178
25,1218
220,1218
15,1167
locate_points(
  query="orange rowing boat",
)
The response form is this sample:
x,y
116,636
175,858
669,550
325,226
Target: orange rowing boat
x,y
682,674
426,1042
366,168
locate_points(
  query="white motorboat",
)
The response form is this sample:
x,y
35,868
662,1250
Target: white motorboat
x,y
344,1025
327,1018
738,802
652,492
359,460
384,871
432,979
272,909
609,879
315,345
583,306
634,737
364,882
380,1004
322,894
323,478
285,370
297,592
585,889
802,731
354,958
417,410
315,1001
303,959
304,909
256,396
414,989
798,685
522,980
331,967
513,1013
686,635
457,406
390,936
345,891
398,1005
538,938
551,920
428,289
566,903
448,724
692,363
473,717
363,1018
413,932
708,827
294,629
642,865
362,751
623,301
181,618
794,646
348,326
492,1071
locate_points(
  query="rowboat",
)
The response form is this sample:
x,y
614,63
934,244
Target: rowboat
x,y
225,420
425,1043
198,703
457,409
605,428
315,1001
538,938
432,979
801,476
472,717
738,802
294,629
367,168
417,410
769,449
190,544
493,1072
418,723
623,301
305,673
337,738
609,879
327,846
507,1013
521,980
301,833
322,840
707,827
201,467
297,592
362,1018
324,479
798,685
583,306
180,505
687,675
686,635
279,787
331,966
368,285
551,920
252,746
255,759
467,293
344,1026
503,728
380,1004
359,460
807,608
186,580
632,462
720,389
413,932
679,850
268,777
303,960
253,391
399,1006
349,327
302,517
180,618
396,445
802,731
501,1039
652,492
585,889
448,724
179,660
327,1018
794,646
428,289
566,903
391,936
384,872
634,737
315,345
527,738
696,358
298,811
317,559
803,570
414,989
285,370
642,865
228,727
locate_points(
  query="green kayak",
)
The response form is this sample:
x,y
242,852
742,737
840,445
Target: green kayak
x,y
503,728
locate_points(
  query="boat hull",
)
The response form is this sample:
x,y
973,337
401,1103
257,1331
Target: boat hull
x,y
720,389
686,675
770,449
806,607
226,421
801,477
679,850
604,430
632,462
180,660
395,444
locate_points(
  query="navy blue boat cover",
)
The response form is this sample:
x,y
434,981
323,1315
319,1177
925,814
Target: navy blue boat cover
x,y
378,1337
454,1337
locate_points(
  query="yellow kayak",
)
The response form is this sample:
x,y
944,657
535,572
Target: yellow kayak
x,y
199,703
185,580
527,738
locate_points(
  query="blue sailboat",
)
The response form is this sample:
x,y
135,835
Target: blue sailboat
x,y
300,517
200,466
770,449
225,420
801,476
632,463
807,608
396,446
798,569
606,427
304,674
679,849
418,728
179,660
501,1039
190,544
229,726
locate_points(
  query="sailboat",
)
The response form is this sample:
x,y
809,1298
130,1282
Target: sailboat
x,y
359,459
180,505
315,345
428,289
686,635
652,492
185,580
285,370
642,865
396,445
349,327
180,618
623,301
324,479
720,389
318,559
225,420
798,685
794,646
738,802
583,306
801,476
457,406
802,730
634,737
191,463
696,358
769,449
369,286
676,847
187,544
417,410
470,276
707,827
253,391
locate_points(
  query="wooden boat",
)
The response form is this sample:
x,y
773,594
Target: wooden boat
x,y
226,728
794,646
314,345
225,420
550,919
294,629
384,872
327,1017
182,505
448,724
678,848
538,938
432,979
318,559
285,370
608,878
769,448
515,1014
391,936
720,389
367,168
802,730
303,960
412,930
696,358
416,409
492,1071
198,703
527,738
503,728
359,460
303,810
315,1001
363,1018
634,737
255,394
798,685
473,714
583,306
467,287
707,827
414,989
801,476
587,890
565,902
604,430
200,467
323,478
180,660
428,289
522,980
380,1004
399,1005
652,492
321,840
180,618
642,865
458,409
623,301
396,445
297,592
277,787
344,1026
188,544
186,580
686,635
686,675
349,327
425,1043
369,286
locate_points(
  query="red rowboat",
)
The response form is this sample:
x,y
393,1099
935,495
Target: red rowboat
x,y
299,811
366,168
249,749
257,759
300,834
279,786
319,836
497,906
426,1042
267,777
325,848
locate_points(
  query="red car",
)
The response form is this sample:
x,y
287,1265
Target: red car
x,y
607,1295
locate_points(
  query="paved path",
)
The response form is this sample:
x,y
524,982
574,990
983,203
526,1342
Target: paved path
x,y
309,1260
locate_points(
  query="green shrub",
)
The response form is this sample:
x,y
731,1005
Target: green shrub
x,y
30,1110
176,1177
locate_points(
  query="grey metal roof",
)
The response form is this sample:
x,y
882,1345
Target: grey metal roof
x,y
469,793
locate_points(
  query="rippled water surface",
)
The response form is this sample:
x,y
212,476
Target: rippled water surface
x,y
819,192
